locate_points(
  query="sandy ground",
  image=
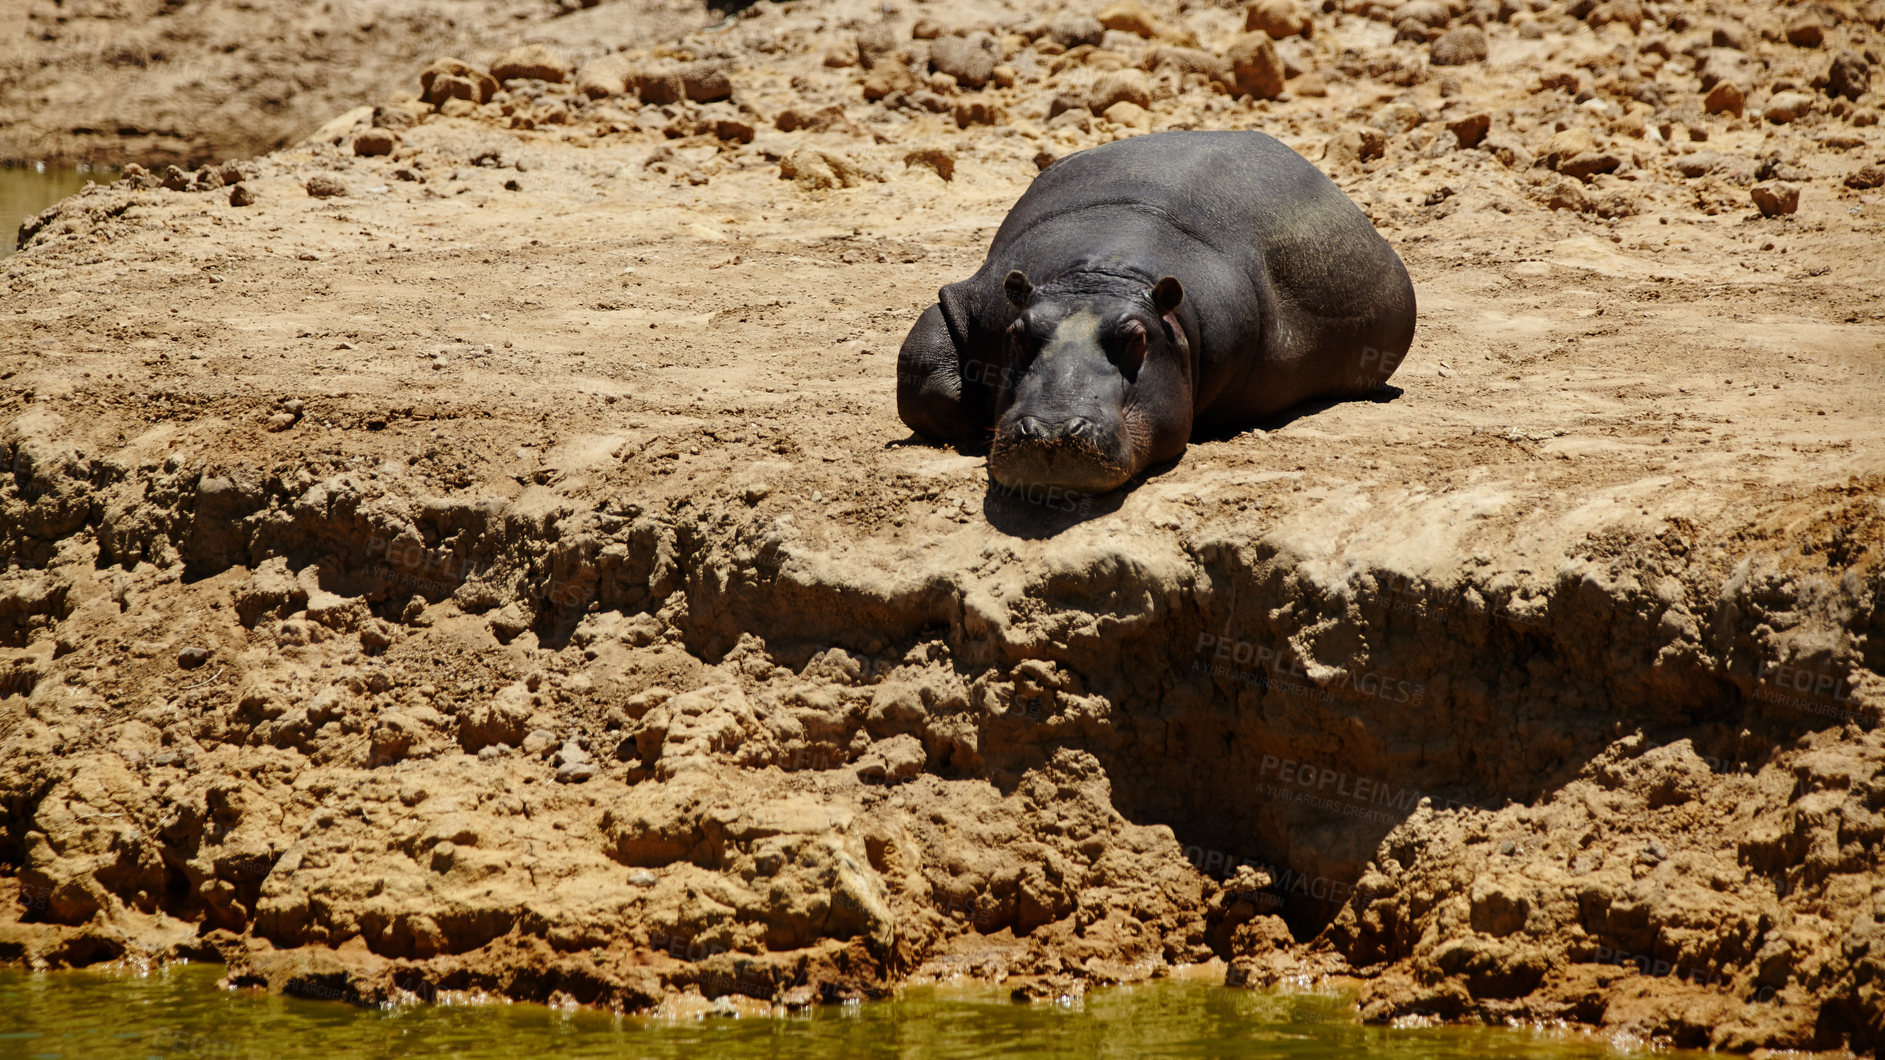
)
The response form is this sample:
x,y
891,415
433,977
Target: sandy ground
x,y
509,574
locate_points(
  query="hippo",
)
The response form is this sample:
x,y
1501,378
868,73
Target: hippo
x,y
1148,291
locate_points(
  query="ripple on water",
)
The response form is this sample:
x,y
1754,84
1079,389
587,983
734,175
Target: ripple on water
x,y
179,1012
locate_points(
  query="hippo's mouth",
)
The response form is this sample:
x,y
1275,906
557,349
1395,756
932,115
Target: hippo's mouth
x,y
1075,463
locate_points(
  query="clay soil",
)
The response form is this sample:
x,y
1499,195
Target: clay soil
x,y
506,574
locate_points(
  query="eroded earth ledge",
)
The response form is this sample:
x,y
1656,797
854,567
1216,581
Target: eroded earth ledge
x,y
509,577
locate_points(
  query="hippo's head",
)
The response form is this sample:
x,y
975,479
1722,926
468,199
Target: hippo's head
x,y
1095,384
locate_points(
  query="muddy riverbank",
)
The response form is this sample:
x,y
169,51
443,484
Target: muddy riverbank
x,y
489,559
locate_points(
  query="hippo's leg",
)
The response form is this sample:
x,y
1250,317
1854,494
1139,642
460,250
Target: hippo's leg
x,y
933,399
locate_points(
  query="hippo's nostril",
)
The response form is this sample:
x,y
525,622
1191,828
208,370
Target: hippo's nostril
x,y
1077,427
1029,427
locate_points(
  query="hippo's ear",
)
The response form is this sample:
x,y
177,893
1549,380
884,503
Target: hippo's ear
x,y
1167,294
1018,288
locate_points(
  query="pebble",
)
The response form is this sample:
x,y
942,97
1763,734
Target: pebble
x,y
192,657
1775,198
876,44
1356,143
970,59
326,186
605,77
1459,46
1126,16
531,62
281,421
940,161
1725,98
1129,115
449,79
493,750
375,142
1471,129
539,742
1120,86
1074,30
1278,18
1786,107
1849,76
642,878
240,195
1255,68
1806,32
1867,178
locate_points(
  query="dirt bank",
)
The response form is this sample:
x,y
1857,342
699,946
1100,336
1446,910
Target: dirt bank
x,y
507,572
192,82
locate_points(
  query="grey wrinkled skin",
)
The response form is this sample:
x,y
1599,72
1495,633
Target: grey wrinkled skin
x,y
1148,290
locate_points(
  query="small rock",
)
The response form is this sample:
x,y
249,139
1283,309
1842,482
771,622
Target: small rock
x,y
893,761
702,82
925,29
1127,16
1627,12
1430,14
1786,107
1510,153
816,169
531,62
207,179
1726,97
875,44
279,421
1116,86
1128,114
976,112
837,56
326,186
889,79
539,742
1849,76
449,79
1774,198
939,160
493,750
240,195
1356,143
969,59
1567,195
1396,117
1729,35
605,77
1255,68
1867,178
575,772
1806,33
1459,46
232,173
734,130
1073,30
1278,18
192,657
375,142
1471,129
642,878
176,179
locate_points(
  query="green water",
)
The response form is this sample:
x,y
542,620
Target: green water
x,y
178,1012
24,191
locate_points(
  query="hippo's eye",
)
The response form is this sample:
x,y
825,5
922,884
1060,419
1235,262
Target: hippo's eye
x,y
1021,337
1130,344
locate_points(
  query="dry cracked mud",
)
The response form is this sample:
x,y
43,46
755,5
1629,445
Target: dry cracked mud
x,y
488,561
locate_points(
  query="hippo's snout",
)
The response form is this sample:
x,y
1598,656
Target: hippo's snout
x,y
1077,453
